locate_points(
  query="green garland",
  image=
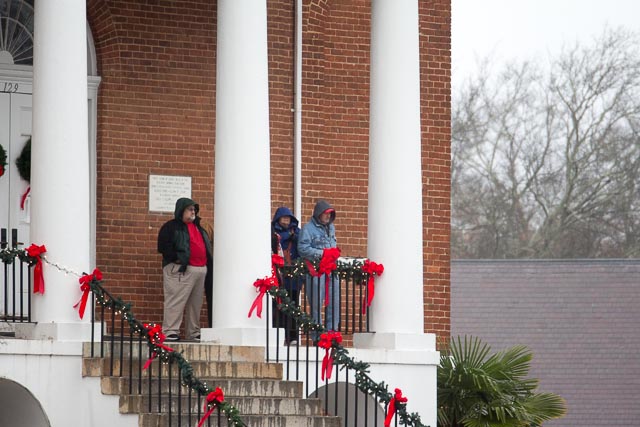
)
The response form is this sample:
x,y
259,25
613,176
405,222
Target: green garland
x,y
23,162
3,160
341,355
344,270
8,256
105,299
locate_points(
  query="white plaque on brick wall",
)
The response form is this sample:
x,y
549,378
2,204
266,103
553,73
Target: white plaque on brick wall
x,y
164,190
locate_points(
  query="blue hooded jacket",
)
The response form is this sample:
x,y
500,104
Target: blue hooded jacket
x,y
288,237
316,236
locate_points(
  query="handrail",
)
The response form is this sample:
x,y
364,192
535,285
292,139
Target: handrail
x,y
214,399
353,268
19,294
155,339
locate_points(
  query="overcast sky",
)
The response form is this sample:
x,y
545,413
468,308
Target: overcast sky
x,y
517,29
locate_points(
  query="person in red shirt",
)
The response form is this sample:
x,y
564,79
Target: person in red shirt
x,y
185,249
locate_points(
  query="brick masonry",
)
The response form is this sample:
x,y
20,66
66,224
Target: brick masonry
x,y
156,115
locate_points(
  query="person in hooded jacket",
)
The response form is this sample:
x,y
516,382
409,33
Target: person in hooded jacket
x,y
186,250
284,242
320,233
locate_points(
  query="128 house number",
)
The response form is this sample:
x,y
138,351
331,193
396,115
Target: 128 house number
x,y
9,87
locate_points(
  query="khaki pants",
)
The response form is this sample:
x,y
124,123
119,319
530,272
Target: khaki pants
x,y
182,290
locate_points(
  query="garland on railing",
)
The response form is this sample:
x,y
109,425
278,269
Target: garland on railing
x,y
342,358
151,332
8,256
214,398
154,337
331,341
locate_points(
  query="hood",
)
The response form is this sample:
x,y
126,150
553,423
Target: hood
x,y
183,203
284,211
321,206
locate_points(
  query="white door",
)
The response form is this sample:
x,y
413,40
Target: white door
x,y
15,130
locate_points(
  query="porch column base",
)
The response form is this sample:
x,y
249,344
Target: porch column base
x,y
394,341
234,336
57,331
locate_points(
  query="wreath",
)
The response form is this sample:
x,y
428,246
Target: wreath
x,y
23,162
3,159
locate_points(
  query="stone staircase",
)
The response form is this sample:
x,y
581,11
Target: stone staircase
x,y
254,387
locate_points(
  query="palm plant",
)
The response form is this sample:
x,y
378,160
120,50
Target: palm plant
x,y
477,389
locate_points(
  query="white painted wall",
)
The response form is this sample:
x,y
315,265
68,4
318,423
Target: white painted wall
x,y
52,372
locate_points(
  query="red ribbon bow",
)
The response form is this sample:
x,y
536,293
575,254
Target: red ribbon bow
x,y
156,337
391,410
213,399
23,199
327,266
326,341
262,287
276,261
85,288
34,251
372,269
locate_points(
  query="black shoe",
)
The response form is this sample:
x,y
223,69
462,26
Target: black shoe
x,y
172,337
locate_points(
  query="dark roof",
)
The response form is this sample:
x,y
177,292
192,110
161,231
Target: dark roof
x,y
580,318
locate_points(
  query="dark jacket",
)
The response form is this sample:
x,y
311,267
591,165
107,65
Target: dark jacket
x,y
315,236
173,238
288,238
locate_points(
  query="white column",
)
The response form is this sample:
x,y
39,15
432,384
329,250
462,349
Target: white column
x,y
60,215
395,183
242,173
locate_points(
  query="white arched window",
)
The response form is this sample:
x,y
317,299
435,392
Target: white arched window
x,y
16,32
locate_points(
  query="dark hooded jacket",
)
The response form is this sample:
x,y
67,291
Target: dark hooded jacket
x,y
316,236
288,237
173,238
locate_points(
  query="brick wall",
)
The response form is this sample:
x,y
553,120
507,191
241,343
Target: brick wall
x,y
156,115
435,72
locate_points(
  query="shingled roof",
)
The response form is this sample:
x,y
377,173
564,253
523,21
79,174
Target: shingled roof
x,y
581,319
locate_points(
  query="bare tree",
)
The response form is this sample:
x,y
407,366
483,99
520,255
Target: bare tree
x,y
546,164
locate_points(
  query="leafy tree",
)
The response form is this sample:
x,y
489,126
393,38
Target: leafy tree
x,y
479,389
546,164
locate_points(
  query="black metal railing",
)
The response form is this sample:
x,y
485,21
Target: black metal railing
x,y
302,360
15,280
156,379
168,386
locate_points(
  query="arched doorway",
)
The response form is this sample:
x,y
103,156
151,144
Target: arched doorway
x,y
26,410
16,78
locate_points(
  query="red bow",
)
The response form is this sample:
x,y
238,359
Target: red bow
x,y
85,287
327,341
24,198
213,399
34,251
327,266
277,261
391,410
262,287
370,268
156,337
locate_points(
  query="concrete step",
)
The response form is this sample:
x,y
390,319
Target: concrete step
x,y
162,420
97,367
190,351
132,404
231,387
